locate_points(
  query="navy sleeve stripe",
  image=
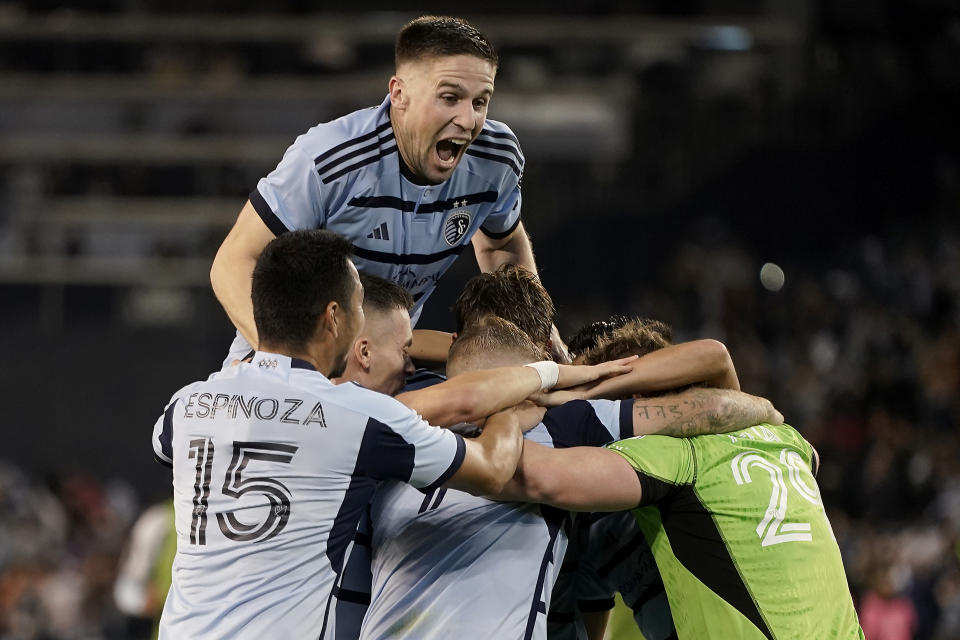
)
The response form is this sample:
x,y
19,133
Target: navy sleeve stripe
x,y
162,461
503,136
454,466
626,419
349,143
407,258
497,235
166,436
266,214
575,424
373,146
490,156
509,148
353,167
590,606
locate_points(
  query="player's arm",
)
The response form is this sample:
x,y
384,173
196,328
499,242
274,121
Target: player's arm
x,y
430,346
232,272
577,479
514,248
698,361
699,411
490,459
473,395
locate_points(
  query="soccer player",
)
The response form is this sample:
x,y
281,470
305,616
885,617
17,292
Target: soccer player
x,y
609,552
379,360
447,564
273,464
409,183
735,522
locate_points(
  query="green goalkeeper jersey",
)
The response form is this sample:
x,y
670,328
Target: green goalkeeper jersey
x,y
740,535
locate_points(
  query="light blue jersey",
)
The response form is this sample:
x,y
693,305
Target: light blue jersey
x,y
272,467
447,564
347,176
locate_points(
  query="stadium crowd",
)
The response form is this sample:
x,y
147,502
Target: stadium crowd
x,y
864,360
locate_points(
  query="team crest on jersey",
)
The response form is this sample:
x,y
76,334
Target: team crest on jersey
x,y
456,227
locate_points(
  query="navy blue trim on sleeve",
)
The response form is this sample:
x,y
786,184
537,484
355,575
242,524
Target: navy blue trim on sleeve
x,y
266,214
454,466
497,235
626,419
166,436
495,158
575,424
162,461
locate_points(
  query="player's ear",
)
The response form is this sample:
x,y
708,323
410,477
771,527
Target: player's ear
x,y
361,351
331,318
398,96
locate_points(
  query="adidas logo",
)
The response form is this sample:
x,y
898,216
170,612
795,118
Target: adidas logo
x,y
380,233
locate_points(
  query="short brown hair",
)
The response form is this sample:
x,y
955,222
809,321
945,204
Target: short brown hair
x,y
433,36
638,337
380,294
511,292
296,276
489,338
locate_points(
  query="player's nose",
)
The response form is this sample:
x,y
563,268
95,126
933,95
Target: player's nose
x,y
465,117
408,368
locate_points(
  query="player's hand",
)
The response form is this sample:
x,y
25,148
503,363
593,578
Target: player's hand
x,y
774,417
575,375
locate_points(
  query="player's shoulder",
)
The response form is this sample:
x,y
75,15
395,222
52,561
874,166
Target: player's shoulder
x,y
499,131
373,404
328,141
497,147
584,410
195,387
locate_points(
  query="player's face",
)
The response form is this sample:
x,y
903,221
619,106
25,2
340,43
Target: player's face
x,y
438,107
390,338
352,323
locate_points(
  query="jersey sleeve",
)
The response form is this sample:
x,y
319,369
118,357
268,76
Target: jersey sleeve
x,y
589,423
163,435
662,463
405,447
290,197
501,142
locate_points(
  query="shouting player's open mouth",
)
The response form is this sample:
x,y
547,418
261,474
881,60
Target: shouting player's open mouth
x,y
449,151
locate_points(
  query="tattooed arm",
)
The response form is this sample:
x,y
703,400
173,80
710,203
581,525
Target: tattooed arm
x,y
701,410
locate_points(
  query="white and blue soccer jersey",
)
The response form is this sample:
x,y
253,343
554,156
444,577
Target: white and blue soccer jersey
x,y
272,467
347,176
447,564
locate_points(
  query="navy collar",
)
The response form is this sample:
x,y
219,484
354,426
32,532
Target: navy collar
x,y
297,363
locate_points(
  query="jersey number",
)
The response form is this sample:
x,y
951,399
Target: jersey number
x,y
235,486
772,528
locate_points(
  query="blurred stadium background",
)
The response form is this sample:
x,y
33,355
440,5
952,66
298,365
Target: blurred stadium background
x,y
673,149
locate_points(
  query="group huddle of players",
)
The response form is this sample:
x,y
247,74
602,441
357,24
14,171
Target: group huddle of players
x,y
324,488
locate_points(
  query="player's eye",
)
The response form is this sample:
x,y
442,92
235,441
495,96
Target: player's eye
x,y
480,103
449,98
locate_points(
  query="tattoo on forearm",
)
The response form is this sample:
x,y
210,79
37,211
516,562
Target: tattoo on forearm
x,y
699,411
